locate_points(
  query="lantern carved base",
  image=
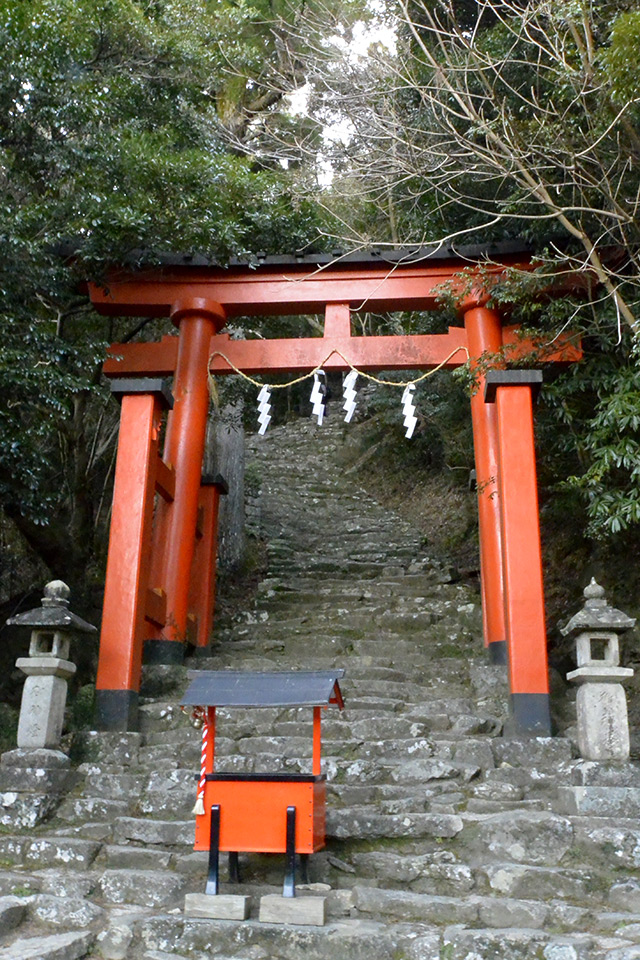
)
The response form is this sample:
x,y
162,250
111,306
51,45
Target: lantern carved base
x,y
603,724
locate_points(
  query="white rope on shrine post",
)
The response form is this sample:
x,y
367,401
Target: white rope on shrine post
x,y
200,714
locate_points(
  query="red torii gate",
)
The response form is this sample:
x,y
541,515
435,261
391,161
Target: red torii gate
x,y
160,578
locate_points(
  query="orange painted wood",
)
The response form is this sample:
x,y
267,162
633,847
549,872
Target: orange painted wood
x,y
522,554
165,480
317,741
337,320
296,355
184,447
202,592
485,337
295,289
156,611
420,352
125,594
253,815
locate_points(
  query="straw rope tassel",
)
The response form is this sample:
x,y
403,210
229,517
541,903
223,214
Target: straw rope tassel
x,y
199,805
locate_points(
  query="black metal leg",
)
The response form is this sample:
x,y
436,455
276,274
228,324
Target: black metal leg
x,y
304,867
214,852
289,889
234,867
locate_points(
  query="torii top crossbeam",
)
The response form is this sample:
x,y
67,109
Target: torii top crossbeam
x,y
153,581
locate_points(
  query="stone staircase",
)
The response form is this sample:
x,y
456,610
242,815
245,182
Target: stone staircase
x,y
445,840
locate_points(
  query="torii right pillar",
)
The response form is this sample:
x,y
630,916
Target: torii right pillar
x,y
513,392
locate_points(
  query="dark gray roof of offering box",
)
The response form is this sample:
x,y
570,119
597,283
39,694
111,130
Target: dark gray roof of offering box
x,y
232,688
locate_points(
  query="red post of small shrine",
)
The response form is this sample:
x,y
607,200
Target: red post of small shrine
x,y
202,592
484,335
126,584
198,320
511,391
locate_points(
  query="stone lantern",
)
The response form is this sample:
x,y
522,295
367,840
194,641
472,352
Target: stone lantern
x,y
47,667
603,723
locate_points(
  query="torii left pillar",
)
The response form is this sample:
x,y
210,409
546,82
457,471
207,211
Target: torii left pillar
x,y
125,595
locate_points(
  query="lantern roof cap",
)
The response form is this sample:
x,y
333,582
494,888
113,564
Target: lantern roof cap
x,y
232,688
53,613
596,614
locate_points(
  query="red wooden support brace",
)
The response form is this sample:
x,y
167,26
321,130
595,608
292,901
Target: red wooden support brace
x,y
484,336
202,592
126,584
316,762
198,320
512,390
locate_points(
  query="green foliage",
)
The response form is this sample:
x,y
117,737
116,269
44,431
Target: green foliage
x,y
114,141
606,435
8,727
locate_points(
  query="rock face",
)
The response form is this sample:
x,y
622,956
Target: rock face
x,y
445,841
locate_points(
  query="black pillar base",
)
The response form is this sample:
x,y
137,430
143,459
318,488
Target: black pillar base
x,y
530,715
213,878
117,710
163,651
498,653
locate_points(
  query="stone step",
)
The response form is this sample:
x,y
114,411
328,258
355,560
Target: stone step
x,y
37,853
470,910
609,801
147,888
59,946
355,939
13,911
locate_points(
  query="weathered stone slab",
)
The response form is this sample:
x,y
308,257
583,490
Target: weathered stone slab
x,y
31,759
494,944
534,837
406,906
301,911
14,883
598,774
62,883
518,880
224,906
536,751
426,873
134,858
12,913
507,912
25,810
114,942
102,747
149,888
626,895
114,786
61,946
606,801
92,808
355,939
53,851
65,912
619,846
170,833
366,824
422,771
